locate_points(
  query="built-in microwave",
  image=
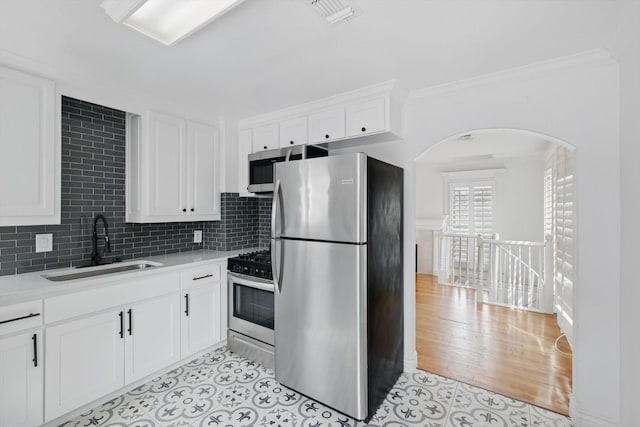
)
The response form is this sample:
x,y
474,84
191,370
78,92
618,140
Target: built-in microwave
x,y
261,164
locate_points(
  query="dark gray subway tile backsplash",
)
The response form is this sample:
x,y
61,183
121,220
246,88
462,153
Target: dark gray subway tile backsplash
x,y
93,182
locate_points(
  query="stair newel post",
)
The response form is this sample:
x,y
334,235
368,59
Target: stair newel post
x,y
548,274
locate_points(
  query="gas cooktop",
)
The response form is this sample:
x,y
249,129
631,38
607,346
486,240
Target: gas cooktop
x,y
256,264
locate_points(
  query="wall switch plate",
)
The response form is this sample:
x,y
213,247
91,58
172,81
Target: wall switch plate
x,y
197,236
44,242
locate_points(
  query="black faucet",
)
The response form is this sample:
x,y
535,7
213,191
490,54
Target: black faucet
x,y
96,256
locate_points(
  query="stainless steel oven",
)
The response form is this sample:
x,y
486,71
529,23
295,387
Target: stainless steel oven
x,y
251,317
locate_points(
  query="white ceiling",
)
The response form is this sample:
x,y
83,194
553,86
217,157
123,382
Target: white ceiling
x,y
483,146
270,54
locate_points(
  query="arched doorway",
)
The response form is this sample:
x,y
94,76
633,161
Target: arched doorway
x,y
485,200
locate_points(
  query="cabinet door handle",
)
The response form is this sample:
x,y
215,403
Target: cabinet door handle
x,y
364,129
20,318
184,210
265,147
35,350
203,277
326,136
121,314
192,209
291,142
186,304
130,330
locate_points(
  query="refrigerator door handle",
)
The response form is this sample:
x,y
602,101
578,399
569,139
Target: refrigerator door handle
x,y
274,239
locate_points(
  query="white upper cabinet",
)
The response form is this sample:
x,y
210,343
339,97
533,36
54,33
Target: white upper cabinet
x,y
29,150
173,169
166,152
326,126
265,137
203,185
245,140
293,132
366,117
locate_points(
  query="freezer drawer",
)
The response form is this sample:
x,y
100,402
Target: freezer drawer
x,y
321,323
322,199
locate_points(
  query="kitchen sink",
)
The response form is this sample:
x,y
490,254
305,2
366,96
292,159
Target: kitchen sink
x,y
102,270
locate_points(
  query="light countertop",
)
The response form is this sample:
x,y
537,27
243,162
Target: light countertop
x,y
32,286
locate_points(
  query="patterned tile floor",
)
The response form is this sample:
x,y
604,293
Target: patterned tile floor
x,y
222,389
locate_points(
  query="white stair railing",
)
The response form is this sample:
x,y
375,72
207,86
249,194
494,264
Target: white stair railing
x,y
510,273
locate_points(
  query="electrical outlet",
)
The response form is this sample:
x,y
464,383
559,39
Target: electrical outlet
x,y
44,242
197,236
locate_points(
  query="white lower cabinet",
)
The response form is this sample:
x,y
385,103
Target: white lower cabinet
x,y
200,318
84,360
21,380
99,340
93,356
152,339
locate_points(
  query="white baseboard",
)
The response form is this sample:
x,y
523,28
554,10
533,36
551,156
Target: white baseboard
x,y
411,362
581,419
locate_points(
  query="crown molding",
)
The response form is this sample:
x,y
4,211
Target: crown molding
x,y
388,87
589,59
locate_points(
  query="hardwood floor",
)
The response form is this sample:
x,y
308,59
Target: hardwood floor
x,y
504,350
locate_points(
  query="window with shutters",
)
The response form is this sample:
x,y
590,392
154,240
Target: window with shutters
x,y
471,208
470,213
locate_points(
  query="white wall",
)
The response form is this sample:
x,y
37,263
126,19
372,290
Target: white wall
x,y
628,55
575,100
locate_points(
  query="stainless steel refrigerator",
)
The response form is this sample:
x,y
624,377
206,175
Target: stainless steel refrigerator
x,y
336,247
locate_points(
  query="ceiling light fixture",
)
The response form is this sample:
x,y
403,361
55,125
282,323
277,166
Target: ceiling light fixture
x,y
167,21
335,11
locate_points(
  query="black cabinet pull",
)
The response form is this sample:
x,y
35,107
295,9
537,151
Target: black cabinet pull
x,y
364,129
265,147
186,304
184,210
192,209
35,350
121,314
326,136
203,277
291,142
130,322
20,318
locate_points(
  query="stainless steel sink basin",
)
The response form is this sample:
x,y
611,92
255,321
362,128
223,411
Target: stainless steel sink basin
x,y
102,270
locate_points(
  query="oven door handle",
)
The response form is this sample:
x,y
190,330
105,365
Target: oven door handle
x,y
269,287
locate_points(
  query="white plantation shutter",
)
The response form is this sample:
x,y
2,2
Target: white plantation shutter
x,y
483,210
470,212
563,228
548,201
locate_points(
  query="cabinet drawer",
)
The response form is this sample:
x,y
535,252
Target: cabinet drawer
x,y
111,295
18,317
201,275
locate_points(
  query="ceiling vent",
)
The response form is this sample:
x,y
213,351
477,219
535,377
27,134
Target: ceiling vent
x,y
335,11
